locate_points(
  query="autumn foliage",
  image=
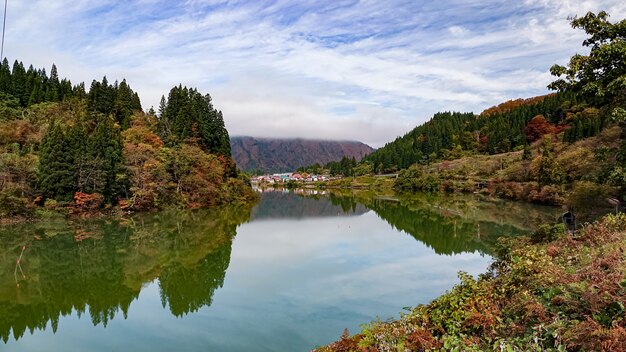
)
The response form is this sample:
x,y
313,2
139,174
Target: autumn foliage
x,y
512,104
552,295
537,128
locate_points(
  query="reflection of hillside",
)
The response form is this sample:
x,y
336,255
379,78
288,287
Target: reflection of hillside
x,y
452,225
101,275
278,205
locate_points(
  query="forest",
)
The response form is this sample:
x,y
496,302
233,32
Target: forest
x,y
554,290
65,147
563,147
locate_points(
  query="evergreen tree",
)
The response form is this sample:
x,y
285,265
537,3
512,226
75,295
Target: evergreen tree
x,y
56,163
123,105
54,85
18,80
188,115
5,77
105,146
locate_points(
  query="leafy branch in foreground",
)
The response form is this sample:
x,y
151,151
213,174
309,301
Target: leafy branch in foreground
x,y
600,76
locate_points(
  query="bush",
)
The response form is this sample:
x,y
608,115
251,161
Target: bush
x,y
548,233
414,179
12,204
589,199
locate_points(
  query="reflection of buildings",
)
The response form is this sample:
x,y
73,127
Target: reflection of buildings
x,y
300,191
187,252
304,203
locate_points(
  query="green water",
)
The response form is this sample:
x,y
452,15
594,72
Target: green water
x,y
288,275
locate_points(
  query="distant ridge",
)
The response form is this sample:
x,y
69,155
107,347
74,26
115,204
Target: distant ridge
x,y
282,155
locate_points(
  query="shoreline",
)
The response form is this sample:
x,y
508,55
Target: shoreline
x,y
546,292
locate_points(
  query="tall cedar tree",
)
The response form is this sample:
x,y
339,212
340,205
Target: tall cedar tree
x,y
56,174
116,99
188,115
105,146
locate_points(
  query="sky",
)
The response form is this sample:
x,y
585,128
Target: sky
x,y
342,70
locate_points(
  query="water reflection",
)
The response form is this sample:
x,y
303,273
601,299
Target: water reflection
x,y
458,223
324,260
99,267
283,204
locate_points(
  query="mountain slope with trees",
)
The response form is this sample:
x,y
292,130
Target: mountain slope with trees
x,y
552,291
564,147
61,145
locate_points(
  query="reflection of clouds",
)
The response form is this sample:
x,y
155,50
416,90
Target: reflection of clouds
x,y
330,262
312,278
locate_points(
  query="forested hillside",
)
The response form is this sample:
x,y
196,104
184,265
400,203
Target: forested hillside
x,y
556,290
61,145
500,129
565,147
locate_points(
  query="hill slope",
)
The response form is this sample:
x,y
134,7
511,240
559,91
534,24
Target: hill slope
x,y
276,155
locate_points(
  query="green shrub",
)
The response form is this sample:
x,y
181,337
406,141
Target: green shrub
x,y
548,233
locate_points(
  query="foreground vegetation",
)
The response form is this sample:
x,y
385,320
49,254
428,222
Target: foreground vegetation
x,y
543,293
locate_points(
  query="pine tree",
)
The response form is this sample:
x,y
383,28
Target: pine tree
x,y
54,85
187,115
18,80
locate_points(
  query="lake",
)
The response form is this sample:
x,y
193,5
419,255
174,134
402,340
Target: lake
x,y
288,274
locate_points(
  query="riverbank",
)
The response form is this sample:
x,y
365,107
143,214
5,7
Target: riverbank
x,y
544,293
91,206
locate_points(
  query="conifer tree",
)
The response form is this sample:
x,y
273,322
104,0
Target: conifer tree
x,y
56,164
188,115
5,76
123,105
105,146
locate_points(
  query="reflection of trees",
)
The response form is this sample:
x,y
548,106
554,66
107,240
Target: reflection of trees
x,y
189,289
277,205
102,274
452,225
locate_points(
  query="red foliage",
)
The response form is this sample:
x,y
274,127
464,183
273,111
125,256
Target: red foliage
x,y
230,168
124,204
421,340
538,127
483,141
346,344
512,104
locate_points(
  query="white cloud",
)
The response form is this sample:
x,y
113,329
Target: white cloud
x,y
369,70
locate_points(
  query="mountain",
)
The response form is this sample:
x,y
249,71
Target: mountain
x,y
282,155
499,129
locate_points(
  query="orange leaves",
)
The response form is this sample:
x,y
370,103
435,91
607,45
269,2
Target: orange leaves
x,y
142,135
85,202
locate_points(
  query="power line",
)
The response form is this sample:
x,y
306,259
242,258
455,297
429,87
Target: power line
x,y
4,23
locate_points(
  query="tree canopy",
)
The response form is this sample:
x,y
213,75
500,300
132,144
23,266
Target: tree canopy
x,y
599,76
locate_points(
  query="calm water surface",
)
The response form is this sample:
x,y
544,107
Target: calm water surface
x,y
288,275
